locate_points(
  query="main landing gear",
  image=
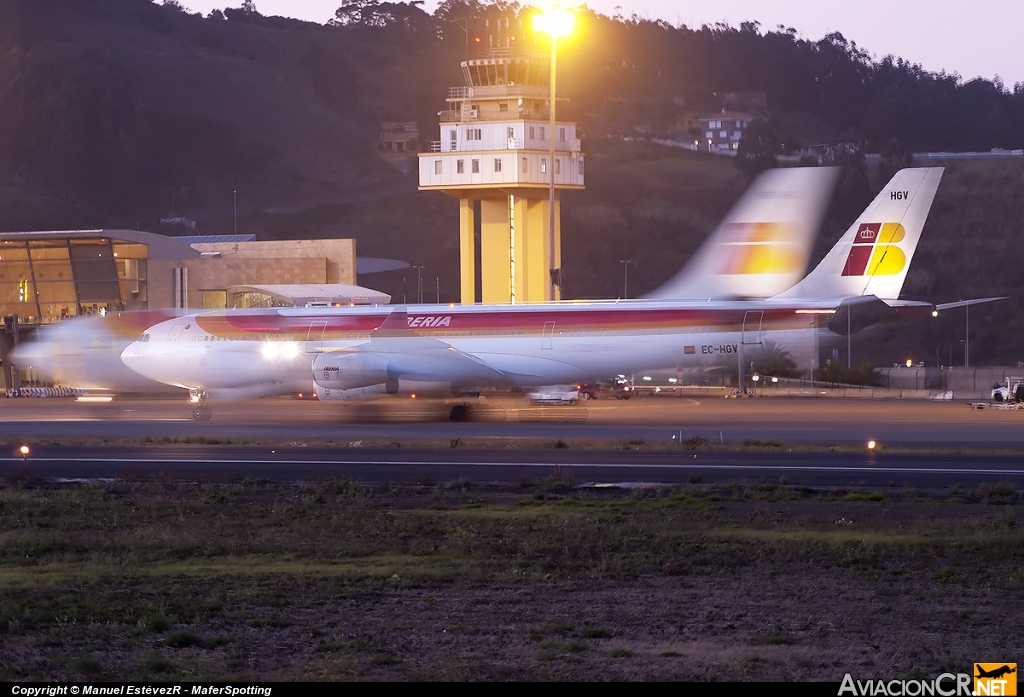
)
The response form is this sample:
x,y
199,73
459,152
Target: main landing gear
x,y
200,401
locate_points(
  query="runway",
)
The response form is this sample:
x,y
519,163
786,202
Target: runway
x,y
645,441
809,421
580,467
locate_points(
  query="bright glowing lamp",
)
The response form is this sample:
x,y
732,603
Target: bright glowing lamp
x,y
556,22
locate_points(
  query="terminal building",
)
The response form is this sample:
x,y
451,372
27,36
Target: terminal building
x,y
49,276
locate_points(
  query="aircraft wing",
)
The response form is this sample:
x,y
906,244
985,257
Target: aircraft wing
x,y
966,303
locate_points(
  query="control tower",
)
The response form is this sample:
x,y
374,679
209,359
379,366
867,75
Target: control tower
x,y
494,157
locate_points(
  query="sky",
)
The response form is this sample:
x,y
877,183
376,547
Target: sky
x,y
977,39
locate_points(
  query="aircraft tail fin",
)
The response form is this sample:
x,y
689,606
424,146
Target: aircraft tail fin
x,y
763,245
873,257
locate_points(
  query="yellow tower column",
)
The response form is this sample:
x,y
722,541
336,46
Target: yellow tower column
x,y
533,247
467,243
495,251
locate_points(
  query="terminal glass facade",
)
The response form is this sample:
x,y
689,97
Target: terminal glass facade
x,y
47,280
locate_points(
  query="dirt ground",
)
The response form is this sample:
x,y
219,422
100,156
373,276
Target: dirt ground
x,y
334,582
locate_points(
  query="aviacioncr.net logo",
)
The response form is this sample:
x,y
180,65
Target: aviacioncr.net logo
x,y
946,685
995,679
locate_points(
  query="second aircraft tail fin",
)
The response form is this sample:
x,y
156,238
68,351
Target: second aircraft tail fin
x,y
762,247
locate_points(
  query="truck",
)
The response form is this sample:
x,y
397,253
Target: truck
x,y
1011,391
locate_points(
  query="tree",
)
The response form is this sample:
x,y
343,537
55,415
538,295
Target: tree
x,y
853,190
770,358
895,156
758,148
372,13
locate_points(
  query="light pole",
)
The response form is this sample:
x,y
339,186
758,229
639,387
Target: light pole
x,y
419,283
555,22
234,196
625,277
967,344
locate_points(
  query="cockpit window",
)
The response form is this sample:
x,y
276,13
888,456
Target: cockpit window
x,y
143,339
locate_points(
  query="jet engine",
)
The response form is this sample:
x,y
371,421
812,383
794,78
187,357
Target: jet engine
x,y
343,376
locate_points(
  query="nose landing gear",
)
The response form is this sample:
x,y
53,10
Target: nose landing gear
x,y
200,401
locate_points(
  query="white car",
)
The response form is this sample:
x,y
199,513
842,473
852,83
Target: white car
x,y
555,394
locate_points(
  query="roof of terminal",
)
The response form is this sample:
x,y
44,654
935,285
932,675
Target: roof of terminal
x,y
160,246
301,294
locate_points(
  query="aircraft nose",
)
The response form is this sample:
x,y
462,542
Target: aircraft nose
x,y
134,357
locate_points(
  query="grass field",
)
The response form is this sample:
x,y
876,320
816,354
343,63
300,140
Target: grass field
x,y
337,580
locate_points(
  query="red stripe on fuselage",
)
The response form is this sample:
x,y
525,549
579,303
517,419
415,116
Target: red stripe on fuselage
x,y
456,320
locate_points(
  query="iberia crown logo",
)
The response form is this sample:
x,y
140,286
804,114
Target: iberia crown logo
x,y
995,679
875,252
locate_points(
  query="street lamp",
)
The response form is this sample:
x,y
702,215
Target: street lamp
x,y
625,277
555,22
419,283
967,344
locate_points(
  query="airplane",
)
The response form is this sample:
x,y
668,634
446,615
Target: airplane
x,y
995,672
354,353
761,248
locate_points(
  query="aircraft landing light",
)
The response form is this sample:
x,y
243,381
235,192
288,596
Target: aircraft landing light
x,y
24,451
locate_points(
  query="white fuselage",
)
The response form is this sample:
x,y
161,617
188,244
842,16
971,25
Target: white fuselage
x,y
351,352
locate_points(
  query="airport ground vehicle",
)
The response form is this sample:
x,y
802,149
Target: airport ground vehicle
x,y
617,388
555,394
1012,390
